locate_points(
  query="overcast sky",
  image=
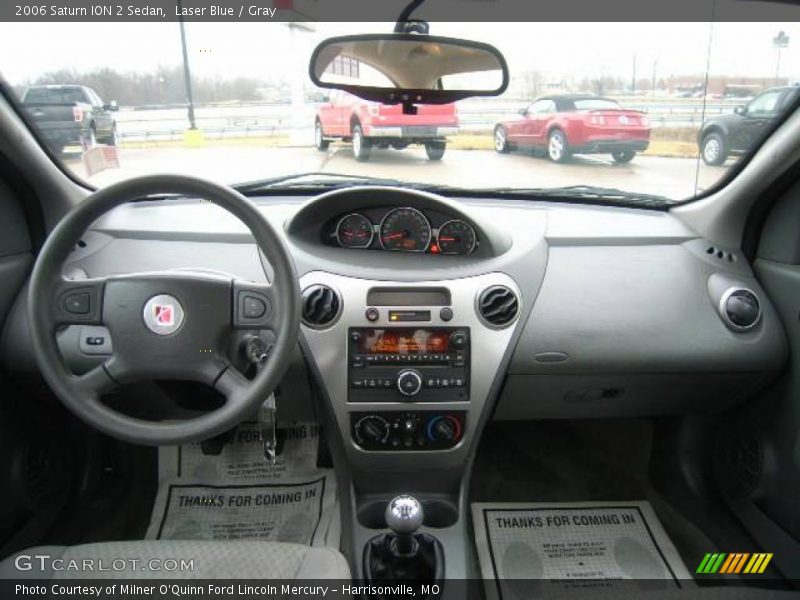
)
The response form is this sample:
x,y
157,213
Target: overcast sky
x,y
267,50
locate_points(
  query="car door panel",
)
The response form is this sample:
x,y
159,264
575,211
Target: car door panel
x,y
772,423
16,255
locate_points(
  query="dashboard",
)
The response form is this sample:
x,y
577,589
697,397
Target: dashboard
x,y
401,229
551,311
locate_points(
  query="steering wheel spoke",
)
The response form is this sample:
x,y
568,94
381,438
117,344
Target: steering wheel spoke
x,y
254,306
233,385
78,302
94,382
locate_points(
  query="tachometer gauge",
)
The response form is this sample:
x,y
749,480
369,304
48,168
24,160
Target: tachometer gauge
x,y
405,229
456,237
354,231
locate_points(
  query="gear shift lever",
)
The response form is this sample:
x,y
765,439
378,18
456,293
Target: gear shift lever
x,y
405,554
404,516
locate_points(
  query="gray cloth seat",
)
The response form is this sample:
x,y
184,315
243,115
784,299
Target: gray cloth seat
x,y
209,560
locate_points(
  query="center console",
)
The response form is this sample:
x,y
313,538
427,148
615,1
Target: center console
x,y
410,365
407,369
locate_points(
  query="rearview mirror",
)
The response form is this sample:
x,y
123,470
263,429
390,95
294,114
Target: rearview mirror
x,y
740,110
409,68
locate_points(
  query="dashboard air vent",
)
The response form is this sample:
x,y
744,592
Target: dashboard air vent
x,y
740,309
320,305
498,306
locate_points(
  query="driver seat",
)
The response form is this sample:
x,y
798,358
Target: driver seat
x,y
150,559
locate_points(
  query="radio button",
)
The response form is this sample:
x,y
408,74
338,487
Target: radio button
x,y
458,340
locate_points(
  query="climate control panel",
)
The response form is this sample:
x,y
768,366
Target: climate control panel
x,y
407,430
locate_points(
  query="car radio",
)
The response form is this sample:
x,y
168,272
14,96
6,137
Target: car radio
x,y
412,364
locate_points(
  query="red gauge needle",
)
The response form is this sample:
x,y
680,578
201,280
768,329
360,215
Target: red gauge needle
x,y
447,239
393,236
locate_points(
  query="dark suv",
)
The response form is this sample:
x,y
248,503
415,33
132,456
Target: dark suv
x,y
736,133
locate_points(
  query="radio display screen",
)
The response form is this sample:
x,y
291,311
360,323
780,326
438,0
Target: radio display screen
x,y
403,341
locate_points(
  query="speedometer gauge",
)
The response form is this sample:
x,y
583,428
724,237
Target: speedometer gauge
x,y
354,231
456,237
405,229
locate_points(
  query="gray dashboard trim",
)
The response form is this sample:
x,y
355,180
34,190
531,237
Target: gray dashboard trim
x,y
641,309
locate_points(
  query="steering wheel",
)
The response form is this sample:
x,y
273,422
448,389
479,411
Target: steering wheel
x,y
163,325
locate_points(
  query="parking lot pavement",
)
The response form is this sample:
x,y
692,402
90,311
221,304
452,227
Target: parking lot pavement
x,y
671,177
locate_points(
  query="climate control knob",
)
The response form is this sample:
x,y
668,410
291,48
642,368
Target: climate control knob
x,y
444,429
409,382
373,429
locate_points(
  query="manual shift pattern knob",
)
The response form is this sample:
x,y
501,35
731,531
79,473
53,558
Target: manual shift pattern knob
x,y
404,514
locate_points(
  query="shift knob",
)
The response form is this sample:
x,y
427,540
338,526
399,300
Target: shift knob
x,y
404,514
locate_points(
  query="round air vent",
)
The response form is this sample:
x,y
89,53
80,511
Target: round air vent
x,y
498,306
321,305
740,308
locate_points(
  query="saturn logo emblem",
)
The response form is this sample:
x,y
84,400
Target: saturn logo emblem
x,y
163,314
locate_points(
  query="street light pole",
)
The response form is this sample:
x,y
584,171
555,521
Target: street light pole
x,y
780,42
653,84
187,74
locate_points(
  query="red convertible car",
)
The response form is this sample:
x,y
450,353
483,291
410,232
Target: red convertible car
x,y
575,124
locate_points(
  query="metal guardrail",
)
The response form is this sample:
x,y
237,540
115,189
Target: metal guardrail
x,y
273,120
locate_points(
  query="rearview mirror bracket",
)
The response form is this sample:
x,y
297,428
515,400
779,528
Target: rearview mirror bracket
x,y
405,24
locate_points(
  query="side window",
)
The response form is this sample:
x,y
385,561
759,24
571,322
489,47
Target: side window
x,y
766,103
541,106
95,99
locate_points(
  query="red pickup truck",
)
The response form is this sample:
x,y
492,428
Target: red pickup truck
x,y
371,124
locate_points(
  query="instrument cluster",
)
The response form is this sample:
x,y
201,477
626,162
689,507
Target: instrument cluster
x,y
402,229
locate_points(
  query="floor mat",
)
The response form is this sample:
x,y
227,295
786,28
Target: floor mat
x,y
237,494
564,546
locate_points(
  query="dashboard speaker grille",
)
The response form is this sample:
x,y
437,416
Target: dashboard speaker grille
x,y
498,305
320,305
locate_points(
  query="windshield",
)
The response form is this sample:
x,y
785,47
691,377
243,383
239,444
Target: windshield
x,y
659,109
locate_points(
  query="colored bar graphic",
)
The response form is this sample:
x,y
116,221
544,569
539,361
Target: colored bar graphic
x,y
730,564
718,563
727,564
734,563
703,564
736,568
